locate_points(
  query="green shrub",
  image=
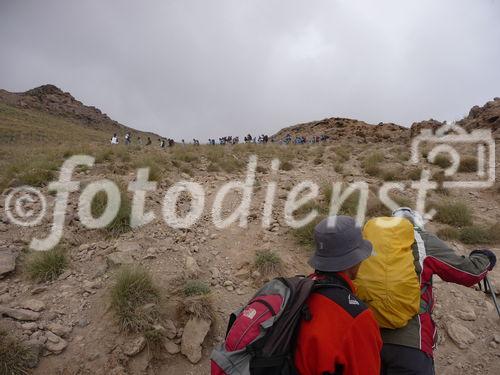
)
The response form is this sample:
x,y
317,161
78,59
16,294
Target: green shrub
x,y
457,214
14,356
135,299
196,288
267,262
46,265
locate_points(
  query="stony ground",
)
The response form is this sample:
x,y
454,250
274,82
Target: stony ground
x,y
70,322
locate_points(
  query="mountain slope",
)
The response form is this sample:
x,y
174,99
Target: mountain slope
x,y
46,113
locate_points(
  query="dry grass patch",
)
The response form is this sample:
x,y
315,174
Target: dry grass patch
x,y
468,164
46,265
195,288
267,262
480,234
135,300
286,166
14,356
453,213
448,233
442,161
371,163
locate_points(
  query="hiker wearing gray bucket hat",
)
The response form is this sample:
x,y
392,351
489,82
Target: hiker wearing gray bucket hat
x,y
339,245
340,334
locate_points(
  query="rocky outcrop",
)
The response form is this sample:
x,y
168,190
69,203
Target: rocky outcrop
x,y
192,338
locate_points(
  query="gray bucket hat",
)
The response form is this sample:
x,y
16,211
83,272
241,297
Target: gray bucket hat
x,y
340,246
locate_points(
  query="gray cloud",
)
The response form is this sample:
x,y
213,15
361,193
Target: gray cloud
x,y
203,68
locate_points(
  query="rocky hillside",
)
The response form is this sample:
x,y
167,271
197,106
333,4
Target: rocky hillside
x,y
487,116
343,128
53,101
156,299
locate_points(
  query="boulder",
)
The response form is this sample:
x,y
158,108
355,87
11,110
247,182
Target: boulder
x,y
134,347
460,335
467,313
34,349
171,347
170,329
56,347
128,247
20,314
7,261
193,336
192,269
33,305
59,329
119,258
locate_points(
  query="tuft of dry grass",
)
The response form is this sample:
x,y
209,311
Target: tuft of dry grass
x,y
305,234
453,213
14,356
468,164
442,161
135,299
448,233
267,262
286,166
195,288
371,163
46,265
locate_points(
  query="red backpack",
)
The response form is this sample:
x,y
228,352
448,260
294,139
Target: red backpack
x,y
260,338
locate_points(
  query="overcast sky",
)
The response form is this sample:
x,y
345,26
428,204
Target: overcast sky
x,y
199,68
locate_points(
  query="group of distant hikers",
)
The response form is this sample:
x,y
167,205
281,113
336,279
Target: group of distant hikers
x,y
366,309
226,140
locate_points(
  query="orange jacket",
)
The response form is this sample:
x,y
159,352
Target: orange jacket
x,y
342,336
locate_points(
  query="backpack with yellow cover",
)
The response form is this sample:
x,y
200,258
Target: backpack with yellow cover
x,y
387,280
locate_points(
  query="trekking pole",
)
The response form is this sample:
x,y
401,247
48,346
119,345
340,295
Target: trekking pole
x,y
492,291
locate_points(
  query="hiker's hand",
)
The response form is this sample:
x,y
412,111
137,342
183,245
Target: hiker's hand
x,y
490,254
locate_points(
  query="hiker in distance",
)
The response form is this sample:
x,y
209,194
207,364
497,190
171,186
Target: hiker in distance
x,y
307,325
396,282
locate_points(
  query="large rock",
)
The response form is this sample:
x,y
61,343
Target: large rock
x,y
192,269
460,335
56,347
20,314
171,347
170,329
33,305
59,329
128,247
467,313
120,258
7,261
193,336
135,346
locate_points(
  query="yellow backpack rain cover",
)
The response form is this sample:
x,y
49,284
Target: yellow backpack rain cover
x,y
387,280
